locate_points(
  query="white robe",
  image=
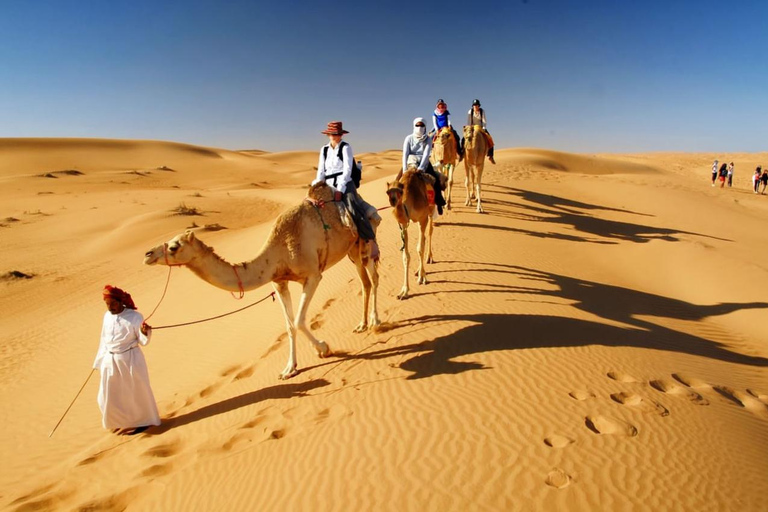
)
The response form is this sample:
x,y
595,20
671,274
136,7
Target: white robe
x,y
125,397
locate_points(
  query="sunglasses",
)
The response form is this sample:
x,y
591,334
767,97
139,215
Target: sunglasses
x,y
419,124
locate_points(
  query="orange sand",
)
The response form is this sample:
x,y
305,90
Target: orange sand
x,y
596,341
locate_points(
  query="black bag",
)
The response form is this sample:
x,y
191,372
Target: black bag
x,y
357,172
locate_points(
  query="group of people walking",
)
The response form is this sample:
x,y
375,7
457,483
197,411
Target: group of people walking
x,y
724,172
125,396
760,177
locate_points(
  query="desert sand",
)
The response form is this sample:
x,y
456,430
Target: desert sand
x,y
597,340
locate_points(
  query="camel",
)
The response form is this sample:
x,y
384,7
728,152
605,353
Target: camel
x,y
444,158
304,241
475,149
408,198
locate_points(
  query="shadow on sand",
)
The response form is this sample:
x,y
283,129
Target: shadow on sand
x,y
281,391
490,332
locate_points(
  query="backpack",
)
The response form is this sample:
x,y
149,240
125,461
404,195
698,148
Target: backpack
x,y
357,171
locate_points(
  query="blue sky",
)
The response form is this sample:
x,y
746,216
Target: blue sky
x,y
583,76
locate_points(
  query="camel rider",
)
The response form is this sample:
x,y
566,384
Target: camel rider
x,y
416,149
441,118
337,172
476,117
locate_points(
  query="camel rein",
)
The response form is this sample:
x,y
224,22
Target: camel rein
x,y
165,289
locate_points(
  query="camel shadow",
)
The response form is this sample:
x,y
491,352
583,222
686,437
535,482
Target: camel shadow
x,y
490,332
565,212
279,392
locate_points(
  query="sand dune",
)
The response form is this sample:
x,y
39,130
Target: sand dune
x,y
595,341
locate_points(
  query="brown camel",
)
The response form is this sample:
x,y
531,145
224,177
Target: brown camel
x,y
475,149
305,241
444,158
408,198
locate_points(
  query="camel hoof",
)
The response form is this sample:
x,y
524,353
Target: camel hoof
x,y
287,374
402,295
323,349
374,323
362,327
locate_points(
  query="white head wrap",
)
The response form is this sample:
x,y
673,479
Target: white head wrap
x,y
420,132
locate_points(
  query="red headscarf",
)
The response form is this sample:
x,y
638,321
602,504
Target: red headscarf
x,y
122,296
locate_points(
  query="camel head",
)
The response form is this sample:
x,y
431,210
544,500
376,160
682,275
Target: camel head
x,y
179,250
445,136
469,131
395,193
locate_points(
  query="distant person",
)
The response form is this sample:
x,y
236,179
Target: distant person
x,y
125,396
417,147
764,179
730,175
723,174
714,172
441,118
756,179
476,117
335,168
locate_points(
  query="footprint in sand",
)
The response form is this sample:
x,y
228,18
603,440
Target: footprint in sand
x,y
114,502
639,403
250,424
234,440
229,371
581,394
244,374
746,400
558,479
163,450
157,470
52,501
210,390
274,346
605,425
558,441
621,377
691,382
673,388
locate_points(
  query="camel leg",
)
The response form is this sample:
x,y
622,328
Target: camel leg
x,y
365,282
285,301
373,275
422,249
478,181
449,187
406,261
307,292
468,182
430,229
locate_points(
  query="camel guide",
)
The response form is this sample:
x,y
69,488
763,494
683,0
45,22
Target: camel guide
x,y
125,397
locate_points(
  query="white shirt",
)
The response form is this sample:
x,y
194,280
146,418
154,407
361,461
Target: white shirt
x,y
332,164
412,146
